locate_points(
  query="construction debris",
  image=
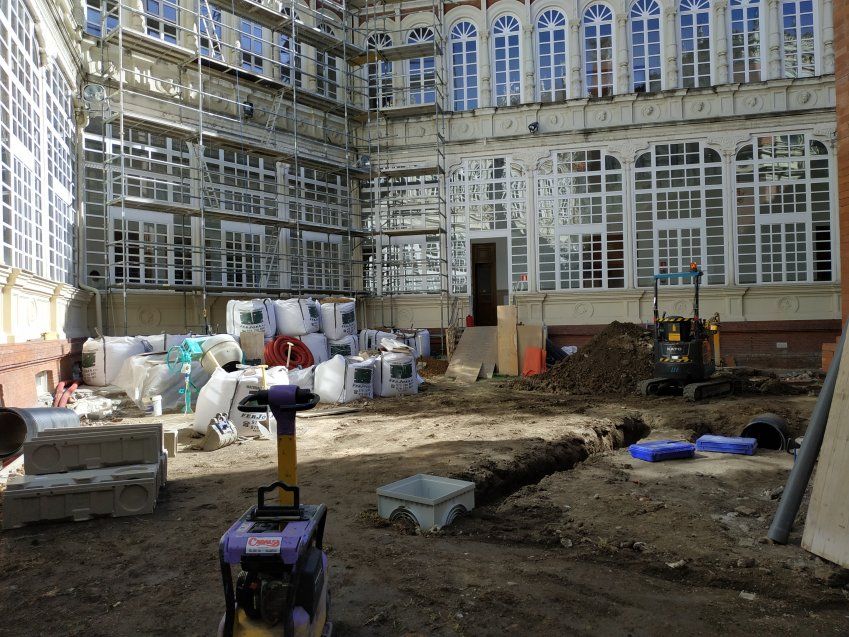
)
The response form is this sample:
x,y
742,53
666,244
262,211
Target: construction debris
x,y
612,362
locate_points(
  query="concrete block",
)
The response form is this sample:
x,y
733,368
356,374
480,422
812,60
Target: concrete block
x,y
107,448
170,443
82,495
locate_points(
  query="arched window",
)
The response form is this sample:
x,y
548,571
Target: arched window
x,y
379,73
508,75
783,209
464,66
422,70
552,66
581,222
598,50
695,43
798,43
645,46
678,209
745,41
326,73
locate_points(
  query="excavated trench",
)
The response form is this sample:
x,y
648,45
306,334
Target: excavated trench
x,y
496,479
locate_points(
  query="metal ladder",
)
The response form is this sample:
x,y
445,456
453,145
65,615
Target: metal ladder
x,y
270,260
206,29
271,122
207,187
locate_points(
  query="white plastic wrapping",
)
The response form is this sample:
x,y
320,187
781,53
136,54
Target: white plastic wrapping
x,y
370,339
103,357
146,375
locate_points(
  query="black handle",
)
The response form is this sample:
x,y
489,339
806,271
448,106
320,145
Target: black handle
x,y
257,402
260,495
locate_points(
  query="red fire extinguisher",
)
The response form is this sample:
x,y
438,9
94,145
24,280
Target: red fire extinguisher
x,y
470,320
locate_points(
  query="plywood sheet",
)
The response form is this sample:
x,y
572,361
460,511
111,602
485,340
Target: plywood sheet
x,y
827,526
530,336
508,346
253,347
478,346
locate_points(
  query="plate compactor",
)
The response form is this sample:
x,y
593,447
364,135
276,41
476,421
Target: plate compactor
x,y
282,585
684,349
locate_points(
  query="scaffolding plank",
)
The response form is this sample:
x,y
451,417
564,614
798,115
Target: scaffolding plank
x,y
410,110
397,53
409,171
478,348
148,45
508,346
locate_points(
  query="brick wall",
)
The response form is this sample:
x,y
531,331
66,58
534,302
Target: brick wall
x,y
841,50
20,363
750,343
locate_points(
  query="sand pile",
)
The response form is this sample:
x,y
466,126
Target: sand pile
x,y
612,362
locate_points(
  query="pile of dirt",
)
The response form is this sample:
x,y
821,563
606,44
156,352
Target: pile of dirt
x,y
612,362
432,367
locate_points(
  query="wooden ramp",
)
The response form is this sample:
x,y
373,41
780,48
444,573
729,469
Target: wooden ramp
x,y
475,355
827,526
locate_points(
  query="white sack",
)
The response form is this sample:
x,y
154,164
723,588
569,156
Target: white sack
x,y
339,320
255,315
296,317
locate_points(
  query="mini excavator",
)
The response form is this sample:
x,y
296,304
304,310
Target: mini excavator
x,y
684,349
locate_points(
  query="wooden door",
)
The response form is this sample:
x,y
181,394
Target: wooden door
x,y
484,287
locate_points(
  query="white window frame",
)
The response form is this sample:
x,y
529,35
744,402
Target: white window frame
x,y
116,222
422,70
694,8
817,193
555,31
379,75
251,46
512,90
747,73
645,17
468,43
561,190
660,203
326,69
598,16
815,40
159,25
251,278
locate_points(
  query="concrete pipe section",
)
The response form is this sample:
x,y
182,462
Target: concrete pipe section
x,y
17,425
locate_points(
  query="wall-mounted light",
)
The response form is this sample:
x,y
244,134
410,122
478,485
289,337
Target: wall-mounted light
x,y
247,110
533,128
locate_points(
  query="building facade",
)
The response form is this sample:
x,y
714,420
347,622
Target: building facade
x,y
433,159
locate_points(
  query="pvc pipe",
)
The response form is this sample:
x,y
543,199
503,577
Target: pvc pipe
x,y
98,310
18,425
801,472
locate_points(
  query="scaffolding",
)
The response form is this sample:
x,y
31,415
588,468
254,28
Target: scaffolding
x,y
244,147
404,205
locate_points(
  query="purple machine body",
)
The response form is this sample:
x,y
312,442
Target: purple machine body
x,y
282,587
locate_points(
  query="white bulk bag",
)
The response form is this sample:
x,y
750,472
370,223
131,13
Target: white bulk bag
x,y
409,339
341,379
103,357
224,391
338,319
377,376
348,346
295,317
303,378
317,344
146,375
370,339
256,315
398,374
423,343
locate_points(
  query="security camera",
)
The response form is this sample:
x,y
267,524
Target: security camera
x,y
533,128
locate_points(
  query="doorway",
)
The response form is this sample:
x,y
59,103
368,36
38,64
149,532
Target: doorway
x,y
484,283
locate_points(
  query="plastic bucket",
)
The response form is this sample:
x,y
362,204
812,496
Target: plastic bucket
x,y
153,405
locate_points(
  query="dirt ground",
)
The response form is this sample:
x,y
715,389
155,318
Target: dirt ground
x,y
571,536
